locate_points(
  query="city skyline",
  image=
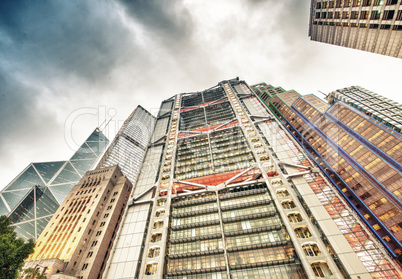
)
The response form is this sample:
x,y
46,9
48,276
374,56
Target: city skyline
x,y
112,50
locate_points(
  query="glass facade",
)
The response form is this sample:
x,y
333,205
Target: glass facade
x,y
243,235
31,199
128,148
366,172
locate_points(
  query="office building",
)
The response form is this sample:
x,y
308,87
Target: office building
x,y
378,107
31,199
359,155
77,240
128,147
226,192
369,25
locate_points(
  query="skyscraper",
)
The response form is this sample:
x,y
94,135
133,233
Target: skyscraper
x,y
378,107
31,199
359,155
369,25
77,240
128,147
226,192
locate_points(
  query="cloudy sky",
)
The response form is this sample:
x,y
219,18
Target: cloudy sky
x,y
65,66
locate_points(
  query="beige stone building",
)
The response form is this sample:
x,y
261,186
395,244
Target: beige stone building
x,y
369,25
76,242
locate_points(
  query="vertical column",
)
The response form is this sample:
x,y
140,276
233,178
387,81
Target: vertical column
x,y
290,218
156,244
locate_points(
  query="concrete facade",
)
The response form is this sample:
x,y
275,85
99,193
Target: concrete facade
x,y
83,228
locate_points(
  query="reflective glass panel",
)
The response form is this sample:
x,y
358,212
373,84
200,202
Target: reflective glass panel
x,y
68,174
27,179
82,166
60,191
48,170
46,204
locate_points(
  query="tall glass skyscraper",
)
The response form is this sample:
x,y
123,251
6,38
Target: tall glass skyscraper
x,y
359,155
128,147
226,192
31,199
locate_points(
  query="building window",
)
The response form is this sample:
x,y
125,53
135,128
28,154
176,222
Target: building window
x,y
311,249
84,266
112,200
109,207
365,196
90,254
288,204
321,269
151,268
157,225
302,232
160,213
282,193
98,233
161,202
295,217
106,215
156,237
388,214
276,182
102,224
94,243
154,252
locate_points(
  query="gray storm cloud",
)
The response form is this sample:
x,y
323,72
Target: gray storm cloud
x,y
59,56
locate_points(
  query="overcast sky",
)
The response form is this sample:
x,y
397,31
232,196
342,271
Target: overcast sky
x,y
63,61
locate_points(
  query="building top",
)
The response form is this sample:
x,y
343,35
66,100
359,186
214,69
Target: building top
x,y
376,106
129,145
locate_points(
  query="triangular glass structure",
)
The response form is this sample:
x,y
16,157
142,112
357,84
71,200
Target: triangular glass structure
x,y
25,180
26,230
68,174
82,166
46,203
3,208
97,136
25,211
97,146
60,191
14,197
48,170
84,152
